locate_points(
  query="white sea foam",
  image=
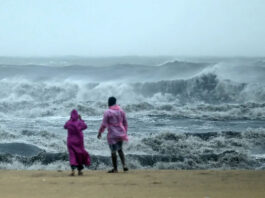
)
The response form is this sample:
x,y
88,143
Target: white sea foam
x,y
177,97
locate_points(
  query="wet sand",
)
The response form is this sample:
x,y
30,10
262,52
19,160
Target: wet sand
x,y
136,183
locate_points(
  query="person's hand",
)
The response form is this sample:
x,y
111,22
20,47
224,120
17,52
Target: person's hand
x,y
99,135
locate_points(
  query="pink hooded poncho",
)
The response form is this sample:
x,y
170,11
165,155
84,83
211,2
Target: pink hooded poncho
x,y
115,120
75,141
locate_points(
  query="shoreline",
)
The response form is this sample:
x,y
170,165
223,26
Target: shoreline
x,y
135,183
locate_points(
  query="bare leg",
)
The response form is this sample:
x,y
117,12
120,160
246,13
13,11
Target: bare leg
x,y
114,163
80,168
73,171
122,156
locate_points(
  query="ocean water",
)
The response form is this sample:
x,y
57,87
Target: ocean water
x,y
183,113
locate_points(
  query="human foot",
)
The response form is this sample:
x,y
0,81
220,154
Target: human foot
x,y
113,171
80,173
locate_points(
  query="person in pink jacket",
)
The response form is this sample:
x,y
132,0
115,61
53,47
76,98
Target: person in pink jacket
x,y
78,156
115,120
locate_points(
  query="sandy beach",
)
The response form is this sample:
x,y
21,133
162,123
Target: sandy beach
x,y
139,183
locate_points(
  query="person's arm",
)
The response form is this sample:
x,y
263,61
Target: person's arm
x,y
103,126
124,122
83,125
66,125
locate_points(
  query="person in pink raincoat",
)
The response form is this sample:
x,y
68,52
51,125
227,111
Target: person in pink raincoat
x,y
115,120
78,156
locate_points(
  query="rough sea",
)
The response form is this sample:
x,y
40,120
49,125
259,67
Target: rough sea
x,y
183,113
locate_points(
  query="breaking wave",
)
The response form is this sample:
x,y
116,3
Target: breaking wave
x,y
204,96
212,150
188,100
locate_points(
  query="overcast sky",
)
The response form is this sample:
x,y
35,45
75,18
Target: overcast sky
x,y
132,27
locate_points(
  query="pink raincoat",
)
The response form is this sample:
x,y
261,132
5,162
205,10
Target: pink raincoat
x,y
115,120
75,141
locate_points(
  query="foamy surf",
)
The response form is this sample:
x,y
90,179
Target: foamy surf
x,y
182,115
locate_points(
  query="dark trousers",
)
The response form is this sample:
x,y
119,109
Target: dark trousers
x,y
79,167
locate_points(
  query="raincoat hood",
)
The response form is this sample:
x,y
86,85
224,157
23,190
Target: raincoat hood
x,y
115,107
74,115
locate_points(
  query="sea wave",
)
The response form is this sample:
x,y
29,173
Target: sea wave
x,y
212,150
170,109
204,96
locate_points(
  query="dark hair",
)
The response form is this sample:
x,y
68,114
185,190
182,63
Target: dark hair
x,y
111,101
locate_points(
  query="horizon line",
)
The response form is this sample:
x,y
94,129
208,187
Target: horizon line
x,y
127,56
